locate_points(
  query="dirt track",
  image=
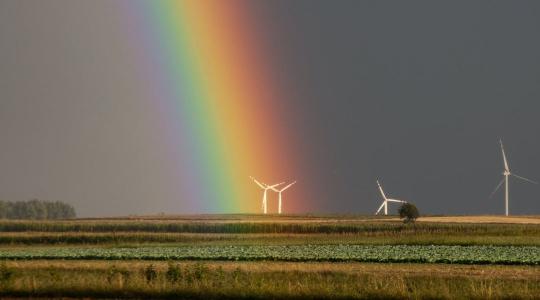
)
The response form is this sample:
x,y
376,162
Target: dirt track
x,y
533,219
483,219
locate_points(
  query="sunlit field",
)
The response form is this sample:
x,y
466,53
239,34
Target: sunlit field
x,y
251,256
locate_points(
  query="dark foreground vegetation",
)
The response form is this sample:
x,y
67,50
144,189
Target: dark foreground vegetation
x,y
36,210
241,281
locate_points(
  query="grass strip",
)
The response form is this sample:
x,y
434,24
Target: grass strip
x,y
196,280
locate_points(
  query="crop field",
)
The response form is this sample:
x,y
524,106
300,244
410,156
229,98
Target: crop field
x,y
511,255
296,257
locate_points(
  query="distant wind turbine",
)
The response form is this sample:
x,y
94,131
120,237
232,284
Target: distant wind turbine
x,y
386,200
265,187
506,174
280,191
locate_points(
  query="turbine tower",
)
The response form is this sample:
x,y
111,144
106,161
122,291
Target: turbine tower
x,y
386,200
507,174
265,187
279,192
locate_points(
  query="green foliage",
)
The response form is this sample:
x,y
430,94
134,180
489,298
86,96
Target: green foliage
x,y
526,255
173,273
36,210
408,212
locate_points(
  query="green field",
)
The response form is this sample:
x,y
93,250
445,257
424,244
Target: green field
x,y
253,256
510,255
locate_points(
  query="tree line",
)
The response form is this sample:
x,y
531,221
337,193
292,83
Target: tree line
x,y
36,210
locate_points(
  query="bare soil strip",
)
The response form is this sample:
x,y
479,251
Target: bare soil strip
x,y
302,219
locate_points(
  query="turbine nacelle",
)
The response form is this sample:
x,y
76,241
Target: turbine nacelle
x,y
265,187
386,200
283,189
279,193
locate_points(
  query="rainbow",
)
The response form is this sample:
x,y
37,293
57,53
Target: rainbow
x,y
213,83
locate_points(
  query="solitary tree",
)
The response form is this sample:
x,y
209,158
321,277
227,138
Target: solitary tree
x,y
408,212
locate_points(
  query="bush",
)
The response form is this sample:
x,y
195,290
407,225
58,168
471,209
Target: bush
x,y
408,212
5,273
150,274
173,274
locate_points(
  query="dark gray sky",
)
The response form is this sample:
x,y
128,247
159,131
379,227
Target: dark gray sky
x,y
416,93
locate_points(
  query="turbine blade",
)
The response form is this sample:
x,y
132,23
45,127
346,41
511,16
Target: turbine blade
x,y
396,200
258,183
523,178
381,190
275,185
378,210
504,157
497,188
287,186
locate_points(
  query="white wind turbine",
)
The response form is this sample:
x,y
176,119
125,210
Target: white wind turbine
x,y
506,174
280,191
265,187
386,200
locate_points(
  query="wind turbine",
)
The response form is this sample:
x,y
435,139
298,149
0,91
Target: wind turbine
x,y
386,200
280,191
265,187
506,174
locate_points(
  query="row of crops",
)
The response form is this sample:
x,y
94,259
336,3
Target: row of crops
x,y
362,253
369,228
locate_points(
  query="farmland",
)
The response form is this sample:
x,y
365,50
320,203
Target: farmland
x,y
514,255
235,256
